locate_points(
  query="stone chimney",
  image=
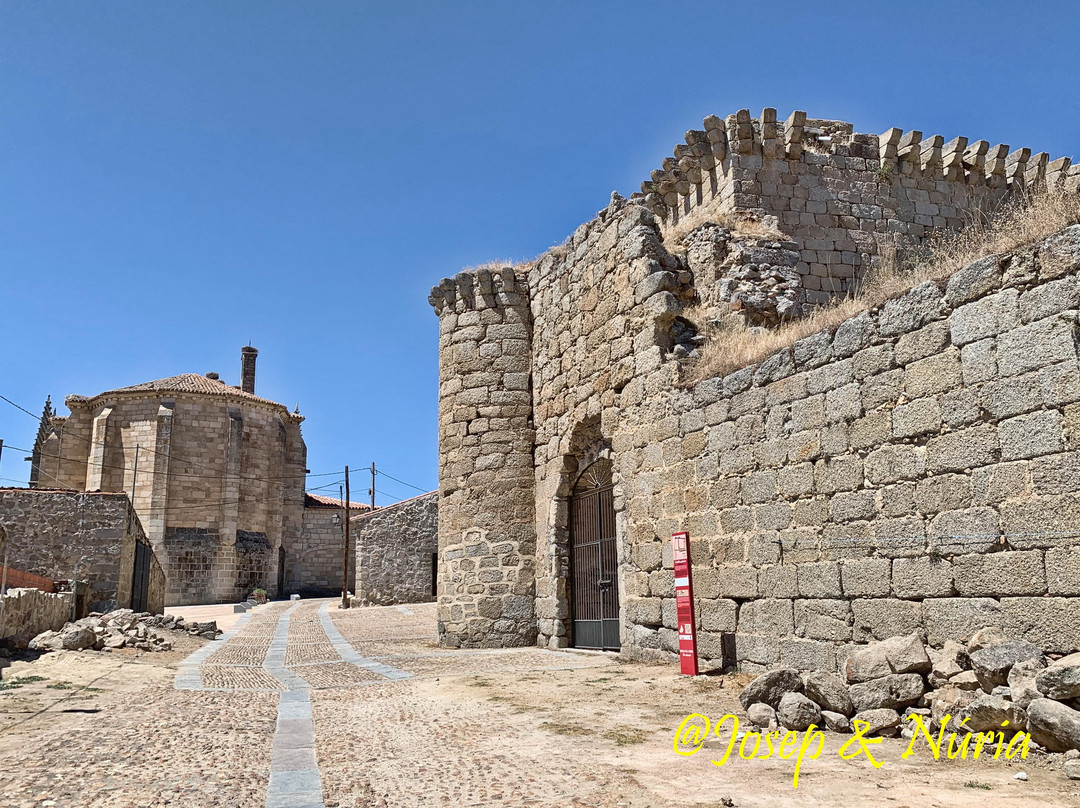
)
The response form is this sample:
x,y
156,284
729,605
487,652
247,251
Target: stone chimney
x,y
247,368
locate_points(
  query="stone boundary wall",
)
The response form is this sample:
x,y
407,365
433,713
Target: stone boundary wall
x,y
916,469
64,535
313,563
394,550
25,613
843,196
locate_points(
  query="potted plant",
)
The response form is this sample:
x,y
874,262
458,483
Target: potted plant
x,y
259,595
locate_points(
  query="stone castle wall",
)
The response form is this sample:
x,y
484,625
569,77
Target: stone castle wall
x,y
394,551
868,482
25,613
486,554
843,197
66,535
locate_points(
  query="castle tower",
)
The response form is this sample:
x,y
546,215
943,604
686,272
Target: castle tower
x,y
487,538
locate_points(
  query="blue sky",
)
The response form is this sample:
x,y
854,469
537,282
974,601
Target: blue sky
x,y
178,179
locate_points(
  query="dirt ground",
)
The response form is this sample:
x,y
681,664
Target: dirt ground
x,y
525,727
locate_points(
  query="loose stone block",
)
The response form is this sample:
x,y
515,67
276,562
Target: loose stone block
x,y
810,655
718,615
985,318
778,581
919,417
1041,522
970,530
890,464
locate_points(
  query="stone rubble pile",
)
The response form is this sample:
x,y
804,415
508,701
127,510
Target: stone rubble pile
x,y
122,628
758,278
982,685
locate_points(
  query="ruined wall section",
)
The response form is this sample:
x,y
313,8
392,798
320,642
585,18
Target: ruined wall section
x,y
917,469
486,501
394,550
844,197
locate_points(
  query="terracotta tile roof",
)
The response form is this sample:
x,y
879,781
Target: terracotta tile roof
x,y
319,501
184,383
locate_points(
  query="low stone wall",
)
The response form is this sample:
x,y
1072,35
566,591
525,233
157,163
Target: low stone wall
x,y
395,548
25,613
65,535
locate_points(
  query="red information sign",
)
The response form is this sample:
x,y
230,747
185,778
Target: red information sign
x,y
684,603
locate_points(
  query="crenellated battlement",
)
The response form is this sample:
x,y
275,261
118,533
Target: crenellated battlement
x,y
700,169
480,288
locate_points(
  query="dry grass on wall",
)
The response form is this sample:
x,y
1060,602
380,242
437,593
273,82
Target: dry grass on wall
x,y
1012,227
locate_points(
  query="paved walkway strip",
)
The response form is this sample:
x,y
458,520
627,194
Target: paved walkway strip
x,y
275,656
188,676
295,781
350,654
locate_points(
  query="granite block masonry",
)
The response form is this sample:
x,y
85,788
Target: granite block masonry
x,y
906,471
396,552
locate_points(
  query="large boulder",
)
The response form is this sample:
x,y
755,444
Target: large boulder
x,y
895,691
905,654
1054,725
1059,682
949,701
829,691
881,722
1022,675
985,637
797,712
77,638
990,713
993,663
762,715
770,687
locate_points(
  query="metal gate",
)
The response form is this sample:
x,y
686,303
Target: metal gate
x,y
593,562
140,578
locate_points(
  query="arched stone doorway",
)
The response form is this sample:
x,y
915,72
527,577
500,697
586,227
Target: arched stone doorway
x,y
594,570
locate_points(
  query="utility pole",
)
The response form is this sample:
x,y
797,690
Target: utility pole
x,y
372,492
134,474
345,555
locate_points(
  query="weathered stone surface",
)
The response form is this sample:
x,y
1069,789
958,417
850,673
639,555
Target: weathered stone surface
x,y
990,635
950,660
762,715
884,722
1059,682
797,712
836,722
770,687
893,691
1022,678
993,663
959,618
1054,725
828,691
965,680
994,712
